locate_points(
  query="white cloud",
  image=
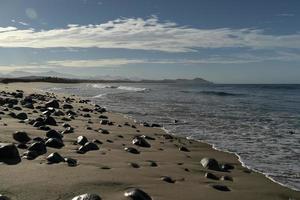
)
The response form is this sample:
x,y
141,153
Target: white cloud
x,y
140,34
94,63
241,58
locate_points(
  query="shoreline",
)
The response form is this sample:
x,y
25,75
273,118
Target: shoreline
x,y
245,181
215,148
92,99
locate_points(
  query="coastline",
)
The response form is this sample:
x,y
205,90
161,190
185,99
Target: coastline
x,y
243,180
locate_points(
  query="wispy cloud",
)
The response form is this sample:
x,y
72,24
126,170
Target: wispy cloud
x,y
239,58
95,62
285,15
144,34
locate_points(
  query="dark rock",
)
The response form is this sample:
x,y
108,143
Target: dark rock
x,y
86,115
184,149
17,108
145,124
167,136
38,139
97,141
38,124
47,113
147,137
167,179
22,146
30,155
226,167
226,178
2,197
134,165
65,125
221,188
103,117
103,131
59,113
71,113
21,136
71,162
211,176
55,158
54,143
9,154
210,163
89,146
131,150
54,134
104,122
152,163
39,147
67,106
137,194
50,121
44,128
87,197
156,125
68,130
52,103
140,141
81,140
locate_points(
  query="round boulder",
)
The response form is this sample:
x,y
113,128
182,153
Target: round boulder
x,y
21,136
210,163
140,141
137,194
55,158
87,197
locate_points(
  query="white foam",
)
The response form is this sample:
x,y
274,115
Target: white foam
x,y
135,89
99,86
99,95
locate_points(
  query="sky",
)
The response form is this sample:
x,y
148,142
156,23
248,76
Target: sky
x,y
223,41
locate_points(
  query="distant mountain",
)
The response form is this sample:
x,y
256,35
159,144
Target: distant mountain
x,y
61,77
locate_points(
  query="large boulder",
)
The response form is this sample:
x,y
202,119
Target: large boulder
x,y
55,158
2,197
137,194
54,134
131,150
54,143
81,140
140,141
9,153
50,121
210,163
67,106
38,147
89,146
52,103
87,197
21,136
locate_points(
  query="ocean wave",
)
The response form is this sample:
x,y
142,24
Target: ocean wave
x,y
99,86
214,93
128,88
99,95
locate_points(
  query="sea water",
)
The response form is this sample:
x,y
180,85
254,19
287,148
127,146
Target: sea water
x,y
260,123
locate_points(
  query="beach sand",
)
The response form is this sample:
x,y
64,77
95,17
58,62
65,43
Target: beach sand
x,y
110,171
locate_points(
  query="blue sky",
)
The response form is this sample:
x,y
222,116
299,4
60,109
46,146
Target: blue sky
x,y
232,41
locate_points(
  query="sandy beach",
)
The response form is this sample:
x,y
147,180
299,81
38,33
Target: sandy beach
x,y
163,166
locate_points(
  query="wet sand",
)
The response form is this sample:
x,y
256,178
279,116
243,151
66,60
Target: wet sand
x,y
110,170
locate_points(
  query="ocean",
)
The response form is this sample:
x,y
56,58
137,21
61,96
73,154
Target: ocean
x,y
259,123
